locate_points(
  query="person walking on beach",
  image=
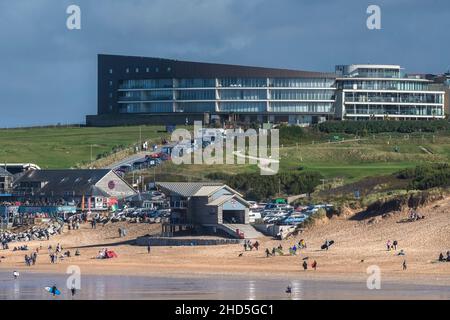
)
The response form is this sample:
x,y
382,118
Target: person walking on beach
x,y
395,244
305,265
314,265
149,248
256,245
289,290
54,290
267,252
302,244
73,290
388,245
404,265
245,245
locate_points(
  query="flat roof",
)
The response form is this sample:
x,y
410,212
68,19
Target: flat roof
x,y
170,68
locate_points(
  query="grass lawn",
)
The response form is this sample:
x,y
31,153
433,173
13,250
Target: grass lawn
x,y
65,147
352,160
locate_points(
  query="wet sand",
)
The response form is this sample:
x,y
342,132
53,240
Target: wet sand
x,y
100,287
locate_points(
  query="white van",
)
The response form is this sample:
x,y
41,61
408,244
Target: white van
x,y
253,216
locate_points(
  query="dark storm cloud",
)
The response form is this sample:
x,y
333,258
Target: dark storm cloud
x,y
48,73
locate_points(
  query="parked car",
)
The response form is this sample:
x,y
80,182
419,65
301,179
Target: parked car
x,y
294,219
165,157
253,216
139,164
125,168
155,155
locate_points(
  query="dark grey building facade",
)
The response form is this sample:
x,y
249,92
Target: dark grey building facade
x,y
139,90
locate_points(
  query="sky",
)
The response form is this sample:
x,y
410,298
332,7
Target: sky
x,y
48,73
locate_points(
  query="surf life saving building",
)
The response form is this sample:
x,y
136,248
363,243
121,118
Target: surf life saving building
x,y
206,206
139,90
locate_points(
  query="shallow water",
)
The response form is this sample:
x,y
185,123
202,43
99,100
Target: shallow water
x,y
97,287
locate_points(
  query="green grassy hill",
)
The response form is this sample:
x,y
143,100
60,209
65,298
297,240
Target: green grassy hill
x,y
350,159
65,147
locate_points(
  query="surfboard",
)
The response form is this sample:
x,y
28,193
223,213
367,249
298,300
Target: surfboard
x,y
49,289
324,246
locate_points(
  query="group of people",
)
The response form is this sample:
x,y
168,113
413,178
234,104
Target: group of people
x,y
414,216
74,224
444,259
274,251
292,250
102,254
31,259
122,232
313,265
391,245
54,254
248,245
19,248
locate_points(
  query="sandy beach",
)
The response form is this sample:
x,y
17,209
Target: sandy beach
x,y
358,245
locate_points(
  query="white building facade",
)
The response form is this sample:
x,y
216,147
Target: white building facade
x,y
368,91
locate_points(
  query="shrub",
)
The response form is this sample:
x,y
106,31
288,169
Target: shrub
x,y
373,126
257,187
427,176
291,134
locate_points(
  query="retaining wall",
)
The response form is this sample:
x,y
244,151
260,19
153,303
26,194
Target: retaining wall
x,y
161,241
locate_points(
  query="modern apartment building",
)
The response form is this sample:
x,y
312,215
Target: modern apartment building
x,y
384,91
134,90
441,82
139,90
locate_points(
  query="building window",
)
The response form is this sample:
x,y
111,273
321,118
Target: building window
x,y
110,83
110,71
137,70
147,69
169,69
156,69
127,70
110,95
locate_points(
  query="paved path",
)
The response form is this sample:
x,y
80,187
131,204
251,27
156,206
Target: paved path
x,y
128,160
